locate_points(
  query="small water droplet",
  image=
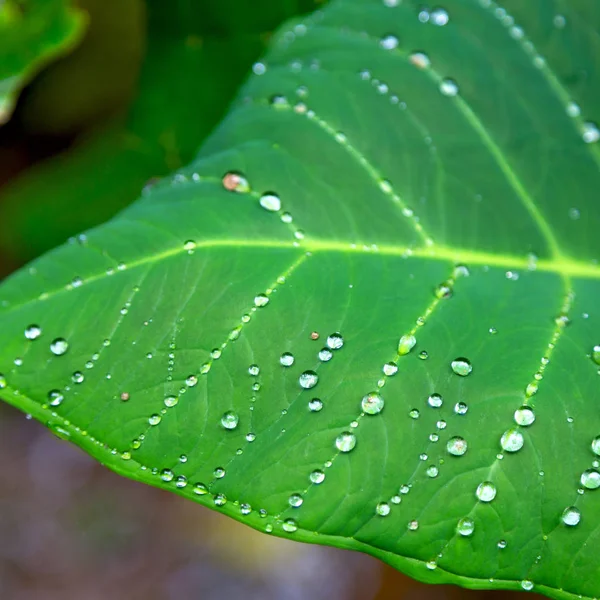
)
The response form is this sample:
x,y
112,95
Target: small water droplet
x,y
456,446
389,42
502,544
219,472
325,355
559,21
286,359
77,377
406,344
250,437
308,380
531,389
59,346
345,442
432,471
166,475
261,300
317,476
423,355
439,17
590,479
590,133
443,290
372,403
573,110
220,500
295,500
245,509
290,525
465,527
230,420
527,585
253,370
191,381
181,481
596,354
414,414
571,516
524,416
190,246
383,509
420,60
460,408
461,366
55,398
315,405
390,369
596,445
171,401
270,202
486,491
259,68
334,341
413,525
512,440
154,419
33,332
448,87
435,400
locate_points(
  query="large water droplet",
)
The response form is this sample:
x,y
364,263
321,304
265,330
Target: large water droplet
x,y
290,526
295,500
457,446
465,526
308,380
512,440
200,489
33,332
315,405
571,516
432,471
167,475
486,491
171,401
590,479
261,300
383,509
390,369
406,344
345,442
435,400
461,366
335,341
220,500
317,476
372,403
230,420
524,416
439,17
325,355
460,408
286,359
270,202
59,346
253,370
154,419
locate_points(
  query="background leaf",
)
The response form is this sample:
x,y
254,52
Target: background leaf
x,y
32,33
400,143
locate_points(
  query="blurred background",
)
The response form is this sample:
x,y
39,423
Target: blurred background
x,y
129,98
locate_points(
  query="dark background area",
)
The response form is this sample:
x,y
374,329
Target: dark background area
x,y
87,133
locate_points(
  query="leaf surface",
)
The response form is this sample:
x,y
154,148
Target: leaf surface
x,y
423,184
32,34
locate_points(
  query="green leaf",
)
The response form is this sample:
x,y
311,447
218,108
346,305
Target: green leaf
x,y
32,33
437,177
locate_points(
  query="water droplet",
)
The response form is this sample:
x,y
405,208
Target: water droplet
x,y
486,491
423,355
290,526
524,416
220,500
314,335
33,332
531,389
59,346
420,60
465,526
250,437
295,500
317,476
77,377
2,381
390,369
215,353
441,424
315,405
443,290
259,68
345,442
448,87
219,472
439,17
527,585
335,341
389,42
461,366
166,475
406,344
325,355
435,400
512,440
461,271
502,544
308,380
596,445
590,479
253,370
270,202
154,419
413,525
191,381
460,408
596,354
55,398
171,401
261,300
286,359
383,509
372,403
432,471
590,133
573,110
245,509
396,499
391,3
571,516
230,420
559,21
456,446
414,414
